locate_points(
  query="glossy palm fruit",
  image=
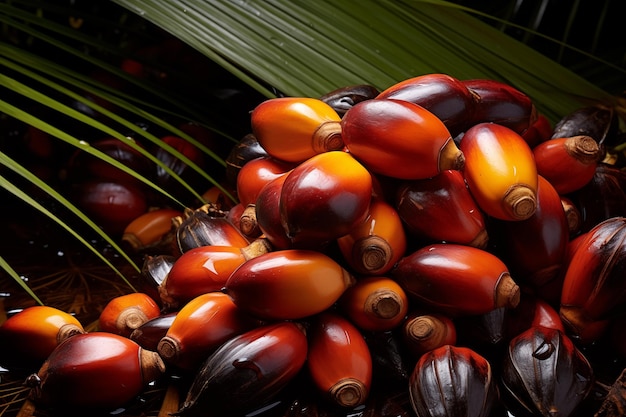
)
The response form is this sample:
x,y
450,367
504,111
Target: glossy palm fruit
x,y
339,360
534,249
150,230
456,279
538,132
594,289
375,303
399,139
544,374
293,129
568,163
423,332
452,381
95,370
149,334
200,327
374,246
441,209
288,284
532,311
29,336
324,198
501,103
247,371
441,94
344,98
599,121
267,214
203,269
124,313
255,174
500,171
203,227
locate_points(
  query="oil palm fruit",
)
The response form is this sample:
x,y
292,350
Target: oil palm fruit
x,y
344,98
29,336
544,374
374,246
200,327
95,370
501,103
324,198
255,174
452,381
456,279
500,171
567,162
124,313
267,214
149,334
204,269
247,149
532,311
247,371
293,129
539,131
339,360
423,332
598,121
150,230
375,303
441,94
288,284
441,209
399,139
593,287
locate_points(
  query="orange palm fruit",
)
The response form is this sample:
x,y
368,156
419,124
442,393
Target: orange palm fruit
x,y
375,303
248,371
423,332
594,290
441,209
124,313
339,360
203,269
293,129
288,284
95,370
534,249
374,246
399,139
200,327
30,335
500,171
324,198
456,279
255,174
441,94
150,229
568,163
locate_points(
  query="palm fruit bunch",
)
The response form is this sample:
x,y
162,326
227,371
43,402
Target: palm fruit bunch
x,y
435,249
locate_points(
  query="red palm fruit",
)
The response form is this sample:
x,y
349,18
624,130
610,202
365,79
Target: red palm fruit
x,y
399,139
293,129
149,334
452,381
339,360
500,171
29,336
267,214
201,326
538,132
456,279
151,229
544,374
594,290
96,370
324,198
375,303
204,269
532,311
444,96
288,284
441,209
501,103
247,371
344,98
234,215
534,249
124,313
423,332
568,163
255,174
374,246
